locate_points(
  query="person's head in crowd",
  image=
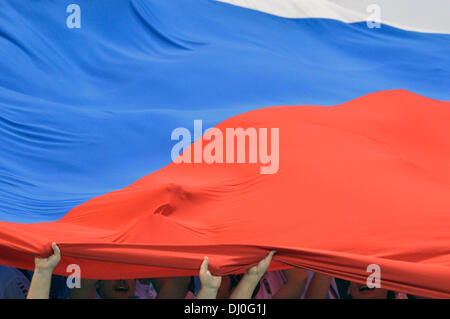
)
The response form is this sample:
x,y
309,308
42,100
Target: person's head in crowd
x,y
362,291
117,289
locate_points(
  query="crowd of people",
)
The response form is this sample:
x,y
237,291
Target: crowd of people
x,y
255,283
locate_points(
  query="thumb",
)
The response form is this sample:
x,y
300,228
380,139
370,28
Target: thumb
x,y
270,255
205,264
56,250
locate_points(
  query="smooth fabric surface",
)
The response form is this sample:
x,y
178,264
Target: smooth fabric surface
x,y
366,182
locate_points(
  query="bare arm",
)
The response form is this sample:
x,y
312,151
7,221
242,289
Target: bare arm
x,y
319,286
210,283
249,281
40,283
295,286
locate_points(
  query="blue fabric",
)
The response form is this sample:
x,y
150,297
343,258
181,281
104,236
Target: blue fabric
x,y
13,283
87,111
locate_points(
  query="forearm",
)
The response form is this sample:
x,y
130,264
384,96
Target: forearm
x,y
248,283
295,286
246,287
319,286
207,293
40,284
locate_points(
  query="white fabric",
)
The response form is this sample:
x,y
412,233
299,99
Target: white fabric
x,y
415,15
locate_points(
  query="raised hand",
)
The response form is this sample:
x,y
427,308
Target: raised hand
x,y
249,281
210,283
261,267
50,262
42,276
206,278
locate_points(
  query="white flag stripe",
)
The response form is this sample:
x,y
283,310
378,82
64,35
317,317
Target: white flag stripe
x,y
430,16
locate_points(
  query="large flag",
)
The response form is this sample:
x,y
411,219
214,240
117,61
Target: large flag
x,y
96,97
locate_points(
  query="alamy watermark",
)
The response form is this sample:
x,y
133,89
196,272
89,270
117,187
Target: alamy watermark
x,y
74,279
228,146
374,19
74,19
374,279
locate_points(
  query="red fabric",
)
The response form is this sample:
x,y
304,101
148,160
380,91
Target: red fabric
x,y
365,182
